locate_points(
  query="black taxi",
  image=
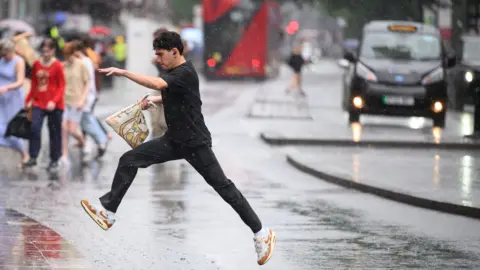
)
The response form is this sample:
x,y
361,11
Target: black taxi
x,y
398,70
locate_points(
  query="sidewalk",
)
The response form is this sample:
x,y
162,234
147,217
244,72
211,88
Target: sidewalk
x,y
272,102
440,180
371,135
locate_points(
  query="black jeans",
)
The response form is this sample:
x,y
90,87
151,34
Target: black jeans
x,y
54,129
203,160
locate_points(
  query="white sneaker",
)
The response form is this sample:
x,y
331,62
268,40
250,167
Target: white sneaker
x,y
64,162
98,214
264,246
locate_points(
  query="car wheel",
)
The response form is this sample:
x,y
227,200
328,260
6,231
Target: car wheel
x,y
439,121
353,117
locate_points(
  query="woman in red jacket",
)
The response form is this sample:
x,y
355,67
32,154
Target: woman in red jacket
x,y
46,99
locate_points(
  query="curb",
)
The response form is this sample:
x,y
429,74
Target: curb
x,y
444,207
369,143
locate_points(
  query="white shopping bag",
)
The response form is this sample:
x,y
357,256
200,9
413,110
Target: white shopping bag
x,y
130,124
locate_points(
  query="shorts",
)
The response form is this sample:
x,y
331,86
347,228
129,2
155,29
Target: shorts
x,y
72,114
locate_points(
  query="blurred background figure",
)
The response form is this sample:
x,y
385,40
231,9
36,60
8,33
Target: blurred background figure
x,y
53,32
94,56
89,124
46,99
77,89
108,60
12,75
120,50
296,63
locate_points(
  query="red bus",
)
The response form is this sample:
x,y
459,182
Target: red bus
x,y
242,38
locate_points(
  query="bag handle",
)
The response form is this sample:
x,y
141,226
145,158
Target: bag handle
x,y
152,105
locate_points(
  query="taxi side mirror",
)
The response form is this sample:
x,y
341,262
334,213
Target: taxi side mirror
x,y
343,63
350,57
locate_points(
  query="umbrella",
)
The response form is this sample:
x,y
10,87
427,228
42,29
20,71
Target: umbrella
x,y
100,30
60,18
17,26
72,34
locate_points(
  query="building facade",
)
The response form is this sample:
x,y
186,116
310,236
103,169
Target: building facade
x,y
27,10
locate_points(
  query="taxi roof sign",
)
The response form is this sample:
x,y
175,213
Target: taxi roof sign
x,y
402,28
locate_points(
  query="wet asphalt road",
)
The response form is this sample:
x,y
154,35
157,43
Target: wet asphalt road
x,y
170,219
439,175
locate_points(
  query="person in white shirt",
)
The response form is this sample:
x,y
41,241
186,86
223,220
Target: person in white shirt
x,y
89,123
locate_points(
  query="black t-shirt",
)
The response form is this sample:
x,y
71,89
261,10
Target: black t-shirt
x,y
183,107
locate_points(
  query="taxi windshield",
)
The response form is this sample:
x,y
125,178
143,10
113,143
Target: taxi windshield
x,y
401,46
471,49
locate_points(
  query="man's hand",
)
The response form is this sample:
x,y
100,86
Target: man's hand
x,y
145,105
149,102
112,71
50,106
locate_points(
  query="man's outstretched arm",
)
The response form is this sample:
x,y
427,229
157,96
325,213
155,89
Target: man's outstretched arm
x,y
154,83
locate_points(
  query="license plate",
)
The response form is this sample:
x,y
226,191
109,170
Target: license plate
x,y
398,100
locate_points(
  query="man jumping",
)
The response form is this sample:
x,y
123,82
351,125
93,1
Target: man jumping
x,y
187,137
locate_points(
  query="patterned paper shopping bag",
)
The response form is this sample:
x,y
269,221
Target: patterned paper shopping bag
x,y
130,124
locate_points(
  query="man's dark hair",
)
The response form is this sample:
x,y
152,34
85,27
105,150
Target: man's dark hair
x,y
167,41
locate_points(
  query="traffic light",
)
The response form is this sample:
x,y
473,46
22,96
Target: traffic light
x,y
292,27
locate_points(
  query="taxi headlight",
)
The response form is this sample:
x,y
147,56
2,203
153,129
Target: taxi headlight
x,y
434,76
366,73
469,76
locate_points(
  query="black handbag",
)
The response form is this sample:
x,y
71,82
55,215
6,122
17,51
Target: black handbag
x,y
20,126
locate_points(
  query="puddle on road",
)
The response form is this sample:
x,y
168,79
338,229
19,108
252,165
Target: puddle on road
x,y
344,236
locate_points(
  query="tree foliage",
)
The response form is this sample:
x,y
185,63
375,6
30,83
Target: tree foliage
x,y
358,12
183,9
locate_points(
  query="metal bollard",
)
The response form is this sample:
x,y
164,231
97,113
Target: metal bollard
x,y
476,114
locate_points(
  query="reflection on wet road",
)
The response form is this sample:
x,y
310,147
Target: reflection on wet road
x,y
171,219
25,243
171,211
346,240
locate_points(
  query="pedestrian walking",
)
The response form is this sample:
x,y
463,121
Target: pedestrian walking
x,y
296,63
12,76
46,98
89,123
187,138
77,89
